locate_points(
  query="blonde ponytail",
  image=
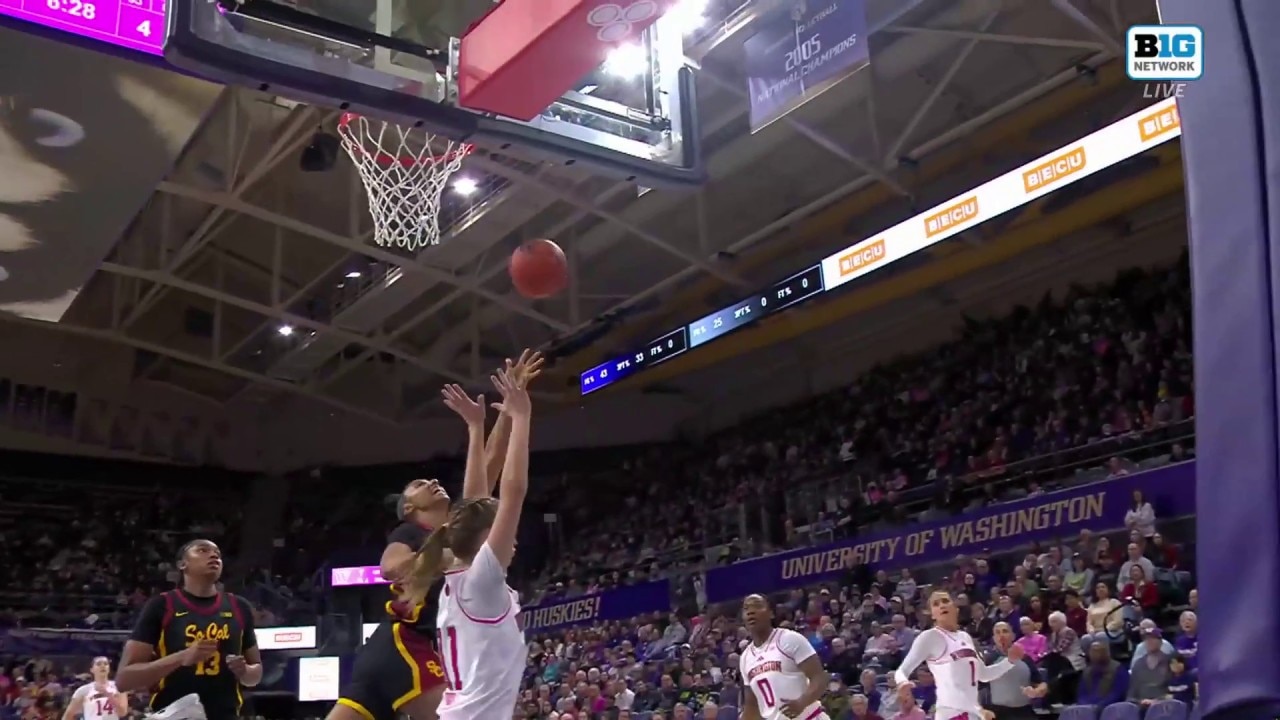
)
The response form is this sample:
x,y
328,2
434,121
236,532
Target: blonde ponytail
x,y
428,566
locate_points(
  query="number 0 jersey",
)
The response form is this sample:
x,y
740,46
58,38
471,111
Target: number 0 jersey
x,y
773,673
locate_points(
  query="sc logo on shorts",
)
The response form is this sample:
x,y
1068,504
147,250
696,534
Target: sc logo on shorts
x,y
434,668
1164,52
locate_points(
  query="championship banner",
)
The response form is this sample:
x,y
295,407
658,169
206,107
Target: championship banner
x,y
1096,506
800,51
619,604
34,642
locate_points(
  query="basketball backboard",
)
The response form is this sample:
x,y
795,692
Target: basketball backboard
x,y
630,112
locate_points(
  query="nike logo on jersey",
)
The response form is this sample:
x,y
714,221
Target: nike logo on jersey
x,y
179,614
228,614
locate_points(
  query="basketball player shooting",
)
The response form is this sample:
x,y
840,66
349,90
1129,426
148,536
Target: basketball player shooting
x,y
953,659
480,637
387,680
100,699
782,669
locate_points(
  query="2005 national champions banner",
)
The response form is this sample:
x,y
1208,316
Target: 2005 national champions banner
x,y
802,48
1097,506
619,604
33,642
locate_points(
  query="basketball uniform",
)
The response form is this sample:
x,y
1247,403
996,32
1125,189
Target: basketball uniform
x,y
224,618
481,642
773,673
399,662
98,704
957,669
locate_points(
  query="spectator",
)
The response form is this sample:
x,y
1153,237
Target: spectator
x,y
1141,590
1187,644
1141,517
1011,694
1104,681
906,587
909,709
1182,682
868,690
1104,617
860,708
1079,577
1141,649
1135,559
1149,677
1077,616
1035,644
1163,554
837,701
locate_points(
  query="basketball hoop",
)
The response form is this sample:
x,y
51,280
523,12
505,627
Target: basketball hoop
x,y
405,172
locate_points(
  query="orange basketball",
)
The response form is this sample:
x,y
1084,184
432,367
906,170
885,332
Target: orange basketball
x,y
538,269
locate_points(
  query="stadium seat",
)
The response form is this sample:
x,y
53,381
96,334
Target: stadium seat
x,y
1121,711
1167,710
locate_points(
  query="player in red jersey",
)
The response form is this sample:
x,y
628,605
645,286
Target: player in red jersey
x,y
398,670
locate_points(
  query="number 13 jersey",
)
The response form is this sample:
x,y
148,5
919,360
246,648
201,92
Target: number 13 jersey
x,y
773,673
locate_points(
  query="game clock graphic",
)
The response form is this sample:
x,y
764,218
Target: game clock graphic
x,y
134,24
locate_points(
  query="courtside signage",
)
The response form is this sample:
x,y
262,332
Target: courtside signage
x,y
1164,52
1161,122
362,575
302,637
1145,129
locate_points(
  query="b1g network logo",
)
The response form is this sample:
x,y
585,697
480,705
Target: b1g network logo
x,y
1164,53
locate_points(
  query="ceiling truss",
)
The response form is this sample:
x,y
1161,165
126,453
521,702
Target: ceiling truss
x,y
197,248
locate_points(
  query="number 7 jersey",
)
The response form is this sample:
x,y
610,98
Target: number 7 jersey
x,y
773,673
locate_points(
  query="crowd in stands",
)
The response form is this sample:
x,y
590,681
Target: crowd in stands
x,y
1072,389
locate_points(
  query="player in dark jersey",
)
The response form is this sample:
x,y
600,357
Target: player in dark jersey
x,y
194,640
398,669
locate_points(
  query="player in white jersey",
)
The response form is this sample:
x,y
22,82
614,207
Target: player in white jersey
x,y
481,644
953,659
782,669
98,700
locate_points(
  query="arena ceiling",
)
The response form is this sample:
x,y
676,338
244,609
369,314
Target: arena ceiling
x,y
246,280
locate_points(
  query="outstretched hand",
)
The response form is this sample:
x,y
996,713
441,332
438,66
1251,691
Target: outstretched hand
x,y
527,367
515,399
457,400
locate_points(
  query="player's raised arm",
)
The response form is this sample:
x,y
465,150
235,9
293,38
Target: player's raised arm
x,y
526,369
515,469
475,482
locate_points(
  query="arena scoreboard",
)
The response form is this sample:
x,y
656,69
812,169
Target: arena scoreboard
x,y
1145,129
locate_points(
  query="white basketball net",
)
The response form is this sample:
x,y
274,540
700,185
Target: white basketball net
x,y
405,171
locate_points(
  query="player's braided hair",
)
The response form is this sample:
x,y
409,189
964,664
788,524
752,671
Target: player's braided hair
x,y
462,536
